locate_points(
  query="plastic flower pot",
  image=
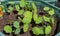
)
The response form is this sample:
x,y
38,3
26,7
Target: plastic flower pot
x,y
12,17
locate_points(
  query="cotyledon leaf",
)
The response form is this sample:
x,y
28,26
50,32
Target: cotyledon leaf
x,y
34,7
48,29
17,31
36,30
25,27
22,3
16,24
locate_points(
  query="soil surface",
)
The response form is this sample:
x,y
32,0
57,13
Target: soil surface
x,y
8,19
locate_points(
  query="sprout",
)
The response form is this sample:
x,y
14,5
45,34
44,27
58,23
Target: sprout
x,y
34,7
52,20
17,31
46,8
47,19
17,7
28,6
48,29
10,9
22,3
8,29
1,34
51,12
27,17
37,19
25,27
20,12
37,30
16,24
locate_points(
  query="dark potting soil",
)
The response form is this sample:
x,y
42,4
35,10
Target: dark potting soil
x,y
13,17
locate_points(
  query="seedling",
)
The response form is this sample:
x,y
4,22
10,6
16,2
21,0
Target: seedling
x,y
10,9
51,12
47,19
17,31
27,17
20,12
52,20
34,7
46,8
37,31
8,29
17,7
16,24
22,3
25,27
48,29
29,6
37,19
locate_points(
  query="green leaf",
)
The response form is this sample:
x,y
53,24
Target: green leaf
x,y
17,7
46,18
52,20
39,20
8,29
35,16
16,24
36,30
51,12
27,17
22,3
10,9
46,8
48,29
41,31
25,27
34,7
28,6
20,12
17,31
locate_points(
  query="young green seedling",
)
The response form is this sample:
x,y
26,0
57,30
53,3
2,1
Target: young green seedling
x,y
22,3
47,19
51,12
28,6
37,31
10,9
25,27
27,17
37,19
17,7
52,20
20,12
48,29
46,8
34,7
16,24
8,29
17,31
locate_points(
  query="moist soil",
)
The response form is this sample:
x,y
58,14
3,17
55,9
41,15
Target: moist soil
x,y
9,18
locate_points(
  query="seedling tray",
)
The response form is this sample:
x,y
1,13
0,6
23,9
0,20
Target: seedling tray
x,y
12,17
